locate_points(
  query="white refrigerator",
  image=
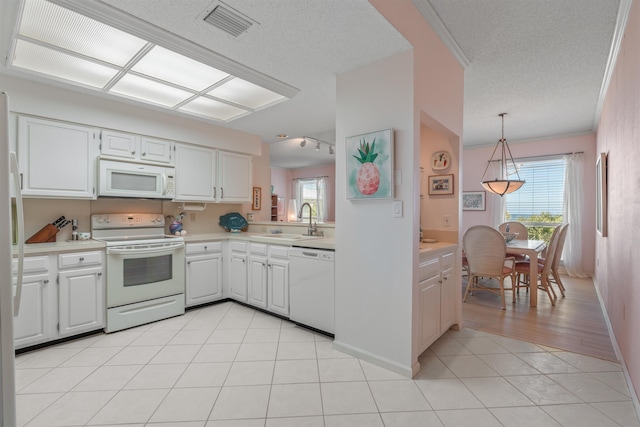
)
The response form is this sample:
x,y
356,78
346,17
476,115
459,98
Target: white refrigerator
x,y
9,304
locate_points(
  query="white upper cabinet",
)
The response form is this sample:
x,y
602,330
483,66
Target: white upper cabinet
x,y
235,177
208,175
157,150
119,144
135,147
57,160
195,173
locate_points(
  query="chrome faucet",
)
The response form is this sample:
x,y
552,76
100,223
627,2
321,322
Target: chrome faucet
x,y
311,230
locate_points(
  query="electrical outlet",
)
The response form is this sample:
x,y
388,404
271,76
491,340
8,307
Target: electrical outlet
x,y
446,220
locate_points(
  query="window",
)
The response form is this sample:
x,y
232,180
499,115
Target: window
x,y
312,191
539,203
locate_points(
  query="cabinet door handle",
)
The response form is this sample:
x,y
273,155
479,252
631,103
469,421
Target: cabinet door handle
x,y
99,273
133,152
45,281
21,181
205,248
188,262
221,193
144,154
215,192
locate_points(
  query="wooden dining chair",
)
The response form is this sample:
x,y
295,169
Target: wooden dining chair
x,y
515,227
523,269
555,275
485,250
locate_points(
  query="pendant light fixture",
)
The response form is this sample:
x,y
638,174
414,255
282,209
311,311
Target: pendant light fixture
x,y
502,185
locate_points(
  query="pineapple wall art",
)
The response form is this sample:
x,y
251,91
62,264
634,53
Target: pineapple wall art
x,y
370,165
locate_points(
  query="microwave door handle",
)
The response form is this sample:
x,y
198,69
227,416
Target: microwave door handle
x,y
164,184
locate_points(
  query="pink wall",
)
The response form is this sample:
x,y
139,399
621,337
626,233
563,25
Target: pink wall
x,y
282,181
475,162
617,273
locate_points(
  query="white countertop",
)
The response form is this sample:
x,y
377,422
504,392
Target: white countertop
x,y
428,248
59,247
317,243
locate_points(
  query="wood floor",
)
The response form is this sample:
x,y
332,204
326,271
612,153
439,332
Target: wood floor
x,y
576,323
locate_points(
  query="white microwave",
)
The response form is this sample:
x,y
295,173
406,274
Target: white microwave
x,y
140,180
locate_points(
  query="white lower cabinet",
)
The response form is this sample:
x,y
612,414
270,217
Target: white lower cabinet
x,y
72,304
436,294
34,324
257,279
259,275
203,273
81,293
278,280
238,270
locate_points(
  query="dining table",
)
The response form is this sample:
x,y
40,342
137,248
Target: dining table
x,y
531,248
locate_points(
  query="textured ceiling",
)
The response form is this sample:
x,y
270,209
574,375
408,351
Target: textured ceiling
x,y
541,61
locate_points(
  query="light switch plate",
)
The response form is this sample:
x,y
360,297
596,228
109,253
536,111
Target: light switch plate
x,y
397,208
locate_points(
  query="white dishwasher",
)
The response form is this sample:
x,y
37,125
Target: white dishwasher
x,y
311,288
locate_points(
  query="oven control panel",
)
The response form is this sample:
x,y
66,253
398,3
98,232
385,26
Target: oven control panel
x,y
106,221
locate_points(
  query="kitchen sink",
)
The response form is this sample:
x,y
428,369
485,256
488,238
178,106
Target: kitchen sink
x,y
284,236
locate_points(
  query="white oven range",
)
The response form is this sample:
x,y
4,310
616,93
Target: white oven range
x,y
144,269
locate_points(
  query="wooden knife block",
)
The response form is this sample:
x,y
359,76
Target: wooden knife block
x,y
46,234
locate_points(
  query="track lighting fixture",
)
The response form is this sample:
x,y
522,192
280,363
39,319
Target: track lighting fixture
x,y
318,143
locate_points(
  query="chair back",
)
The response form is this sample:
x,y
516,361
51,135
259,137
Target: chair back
x,y
515,227
560,247
485,249
551,250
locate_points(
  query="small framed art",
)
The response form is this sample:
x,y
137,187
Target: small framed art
x,y
473,200
257,198
440,184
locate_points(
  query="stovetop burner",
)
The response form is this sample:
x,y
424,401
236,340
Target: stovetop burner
x,y
138,229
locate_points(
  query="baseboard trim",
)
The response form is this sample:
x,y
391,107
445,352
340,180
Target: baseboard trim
x,y
616,349
377,360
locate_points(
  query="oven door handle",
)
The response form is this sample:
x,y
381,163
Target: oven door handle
x,y
164,248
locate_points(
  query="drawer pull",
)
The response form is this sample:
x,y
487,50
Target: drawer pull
x,y
81,258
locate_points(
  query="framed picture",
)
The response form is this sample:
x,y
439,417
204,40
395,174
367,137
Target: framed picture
x,y
473,200
440,184
370,165
257,198
601,194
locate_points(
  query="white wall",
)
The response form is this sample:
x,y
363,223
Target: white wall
x,y
374,250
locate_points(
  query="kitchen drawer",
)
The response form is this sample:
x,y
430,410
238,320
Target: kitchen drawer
x,y
258,249
238,246
279,251
79,259
31,264
428,268
447,260
204,247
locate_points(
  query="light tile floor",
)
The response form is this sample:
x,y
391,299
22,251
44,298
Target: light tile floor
x,y
228,365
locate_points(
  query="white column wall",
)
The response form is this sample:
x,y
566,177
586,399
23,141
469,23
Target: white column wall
x,y
375,251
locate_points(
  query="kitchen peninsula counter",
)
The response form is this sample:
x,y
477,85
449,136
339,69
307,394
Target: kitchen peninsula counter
x,y
429,249
328,243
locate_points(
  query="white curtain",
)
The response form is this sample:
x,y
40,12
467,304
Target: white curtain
x,y
297,194
573,202
321,186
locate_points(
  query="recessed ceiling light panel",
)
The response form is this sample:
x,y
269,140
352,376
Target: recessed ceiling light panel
x,y
244,93
149,91
57,26
60,65
166,65
214,109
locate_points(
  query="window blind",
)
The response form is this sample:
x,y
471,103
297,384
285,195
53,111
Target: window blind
x,y
542,193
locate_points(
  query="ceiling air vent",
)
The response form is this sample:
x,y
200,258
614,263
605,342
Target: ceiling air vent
x,y
228,19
